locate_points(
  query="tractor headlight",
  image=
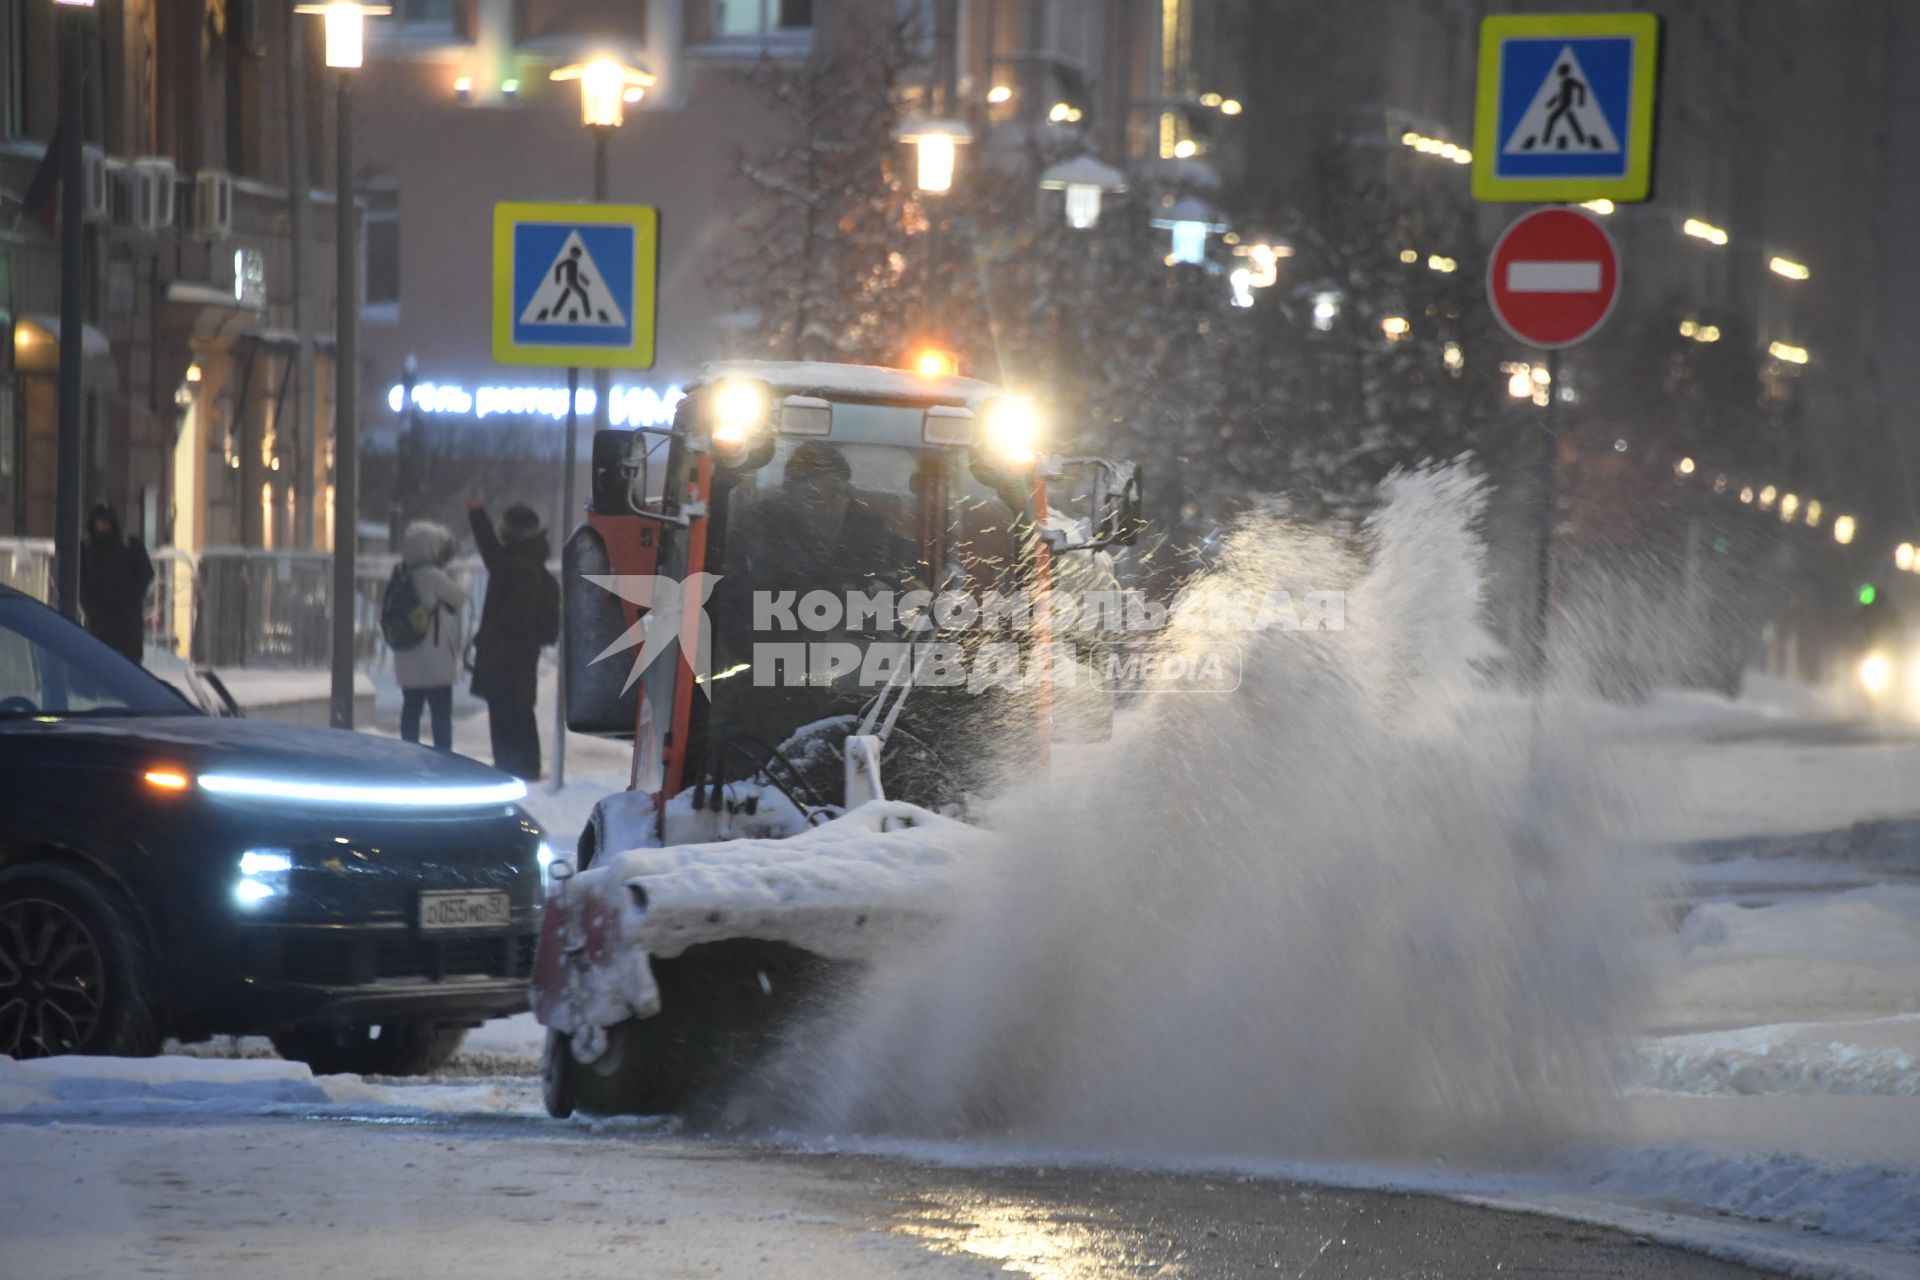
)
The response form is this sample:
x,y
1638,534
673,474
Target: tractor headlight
x,y
1010,431
740,409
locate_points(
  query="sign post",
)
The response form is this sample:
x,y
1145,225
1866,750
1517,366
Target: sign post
x,y
1553,278
573,286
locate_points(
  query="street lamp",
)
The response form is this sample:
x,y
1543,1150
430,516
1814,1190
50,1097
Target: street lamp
x,y
606,87
1085,180
346,25
1191,221
73,283
936,144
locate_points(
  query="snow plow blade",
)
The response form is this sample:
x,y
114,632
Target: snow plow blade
x,y
665,977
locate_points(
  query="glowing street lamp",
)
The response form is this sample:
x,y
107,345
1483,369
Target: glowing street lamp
x,y
935,144
606,86
346,27
1191,221
1085,180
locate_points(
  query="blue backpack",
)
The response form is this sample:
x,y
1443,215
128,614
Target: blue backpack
x,y
404,618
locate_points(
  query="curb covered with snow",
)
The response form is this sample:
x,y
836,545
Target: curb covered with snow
x,y
183,1085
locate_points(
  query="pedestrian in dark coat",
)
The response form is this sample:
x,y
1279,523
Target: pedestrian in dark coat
x,y
114,576
519,616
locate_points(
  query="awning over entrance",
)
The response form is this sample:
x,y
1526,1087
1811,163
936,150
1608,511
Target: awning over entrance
x,y
211,316
36,350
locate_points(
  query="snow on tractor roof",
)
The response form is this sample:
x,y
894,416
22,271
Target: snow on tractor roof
x,y
850,381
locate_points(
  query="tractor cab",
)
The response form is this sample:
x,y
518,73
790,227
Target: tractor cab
x,y
757,589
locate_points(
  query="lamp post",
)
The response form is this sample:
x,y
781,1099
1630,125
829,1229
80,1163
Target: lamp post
x,y
73,321
606,87
936,144
346,26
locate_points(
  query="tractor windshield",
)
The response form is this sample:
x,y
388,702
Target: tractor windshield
x,y
801,544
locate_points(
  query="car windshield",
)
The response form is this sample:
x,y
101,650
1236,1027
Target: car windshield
x,y
51,668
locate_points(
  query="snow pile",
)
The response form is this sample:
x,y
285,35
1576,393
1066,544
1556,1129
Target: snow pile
x,y
1881,923
1358,907
180,1084
1873,1202
1810,957
1881,1056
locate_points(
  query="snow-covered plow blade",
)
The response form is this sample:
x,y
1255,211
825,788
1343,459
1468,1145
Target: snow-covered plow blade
x,y
666,975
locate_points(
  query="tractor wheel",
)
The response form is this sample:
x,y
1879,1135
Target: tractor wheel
x,y
724,1008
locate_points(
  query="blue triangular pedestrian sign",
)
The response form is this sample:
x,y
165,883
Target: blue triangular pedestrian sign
x,y
572,291
1564,115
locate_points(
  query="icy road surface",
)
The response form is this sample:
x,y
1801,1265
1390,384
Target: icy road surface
x,y
474,1200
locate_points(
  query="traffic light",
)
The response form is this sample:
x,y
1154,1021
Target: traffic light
x,y
1867,594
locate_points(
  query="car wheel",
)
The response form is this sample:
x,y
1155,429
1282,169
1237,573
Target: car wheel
x,y
76,975
370,1049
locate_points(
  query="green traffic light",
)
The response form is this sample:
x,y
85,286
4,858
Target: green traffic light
x,y
1868,594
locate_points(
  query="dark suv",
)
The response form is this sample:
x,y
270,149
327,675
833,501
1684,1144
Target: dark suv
x,y
168,873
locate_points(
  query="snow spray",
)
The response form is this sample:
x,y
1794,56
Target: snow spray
x,y
1356,907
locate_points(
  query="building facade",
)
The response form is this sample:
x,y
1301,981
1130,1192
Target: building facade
x,y
198,425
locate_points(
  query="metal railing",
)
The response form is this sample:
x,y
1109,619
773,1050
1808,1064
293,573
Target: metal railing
x,y
245,607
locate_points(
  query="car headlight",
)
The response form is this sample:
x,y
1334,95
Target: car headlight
x,y
263,876
1876,673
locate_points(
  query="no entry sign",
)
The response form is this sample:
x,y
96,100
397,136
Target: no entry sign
x,y
1553,278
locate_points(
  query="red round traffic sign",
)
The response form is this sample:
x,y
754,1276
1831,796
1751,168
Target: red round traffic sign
x,y
1553,277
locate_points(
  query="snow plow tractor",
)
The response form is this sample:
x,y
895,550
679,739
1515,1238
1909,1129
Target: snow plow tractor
x,y
817,605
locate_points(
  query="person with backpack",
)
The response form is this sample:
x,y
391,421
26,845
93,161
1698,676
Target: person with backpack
x,y
420,615
519,616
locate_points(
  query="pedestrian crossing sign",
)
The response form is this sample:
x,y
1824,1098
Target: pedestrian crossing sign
x,y
1565,107
573,284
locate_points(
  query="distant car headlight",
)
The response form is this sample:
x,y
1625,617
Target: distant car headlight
x,y
263,876
1876,673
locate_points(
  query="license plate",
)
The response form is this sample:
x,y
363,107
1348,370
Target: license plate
x,y
464,910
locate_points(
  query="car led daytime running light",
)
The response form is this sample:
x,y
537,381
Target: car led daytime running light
x,y
241,786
